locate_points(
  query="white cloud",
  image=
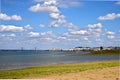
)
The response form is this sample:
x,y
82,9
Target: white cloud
x,y
28,27
57,23
110,33
44,37
68,3
6,17
41,25
48,34
10,35
85,38
95,26
71,26
110,37
34,34
47,6
63,38
94,30
63,3
80,32
12,28
109,16
16,17
57,16
98,40
51,6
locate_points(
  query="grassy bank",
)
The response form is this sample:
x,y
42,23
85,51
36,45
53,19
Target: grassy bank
x,y
99,52
107,52
55,69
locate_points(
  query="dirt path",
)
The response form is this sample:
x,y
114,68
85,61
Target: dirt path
x,y
112,73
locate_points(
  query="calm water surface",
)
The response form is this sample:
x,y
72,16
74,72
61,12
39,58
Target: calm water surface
x,y
21,59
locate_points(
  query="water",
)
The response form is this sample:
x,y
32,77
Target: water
x,y
21,59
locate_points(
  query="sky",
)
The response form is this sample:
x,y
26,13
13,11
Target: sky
x,y
59,24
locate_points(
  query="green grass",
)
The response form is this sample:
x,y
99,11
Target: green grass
x,y
55,69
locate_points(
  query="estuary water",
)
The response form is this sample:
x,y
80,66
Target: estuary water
x,y
22,59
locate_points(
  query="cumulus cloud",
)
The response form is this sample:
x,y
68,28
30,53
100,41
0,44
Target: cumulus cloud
x,y
6,17
62,37
110,37
47,6
57,23
57,16
43,35
85,38
10,35
98,40
110,33
28,27
51,7
34,34
80,32
64,3
95,26
111,16
12,28
68,3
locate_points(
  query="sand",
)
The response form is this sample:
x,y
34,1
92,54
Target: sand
x,y
112,73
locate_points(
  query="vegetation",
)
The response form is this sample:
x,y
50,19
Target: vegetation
x,y
55,69
107,52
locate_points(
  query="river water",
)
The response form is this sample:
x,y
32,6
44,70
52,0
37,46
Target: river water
x,y
22,59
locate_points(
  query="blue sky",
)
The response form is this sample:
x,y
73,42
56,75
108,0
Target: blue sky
x,y
60,24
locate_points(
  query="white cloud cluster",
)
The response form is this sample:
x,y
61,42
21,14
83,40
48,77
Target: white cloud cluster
x,y
12,28
6,17
98,40
51,7
64,3
95,29
95,26
34,34
80,32
110,35
91,31
109,16
48,34
10,35
47,6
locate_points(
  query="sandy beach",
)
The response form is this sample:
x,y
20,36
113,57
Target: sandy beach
x,y
112,73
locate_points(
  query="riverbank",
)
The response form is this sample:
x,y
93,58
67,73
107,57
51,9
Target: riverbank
x,y
60,69
111,73
99,52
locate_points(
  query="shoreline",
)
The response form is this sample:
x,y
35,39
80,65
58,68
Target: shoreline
x,y
61,63
58,69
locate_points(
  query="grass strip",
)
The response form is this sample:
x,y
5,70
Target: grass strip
x,y
55,69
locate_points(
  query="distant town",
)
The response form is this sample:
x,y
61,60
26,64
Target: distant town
x,y
71,49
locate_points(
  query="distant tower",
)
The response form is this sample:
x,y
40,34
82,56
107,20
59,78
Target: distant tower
x,y
35,48
21,48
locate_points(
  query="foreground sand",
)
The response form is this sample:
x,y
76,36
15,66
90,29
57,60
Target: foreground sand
x,y
112,73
